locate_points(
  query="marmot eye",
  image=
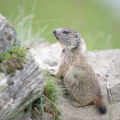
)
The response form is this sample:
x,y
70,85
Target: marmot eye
x,y
65,32
76,36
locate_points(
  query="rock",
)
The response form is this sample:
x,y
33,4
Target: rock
x,y
98,60
8,36
113,81
20,90
48,57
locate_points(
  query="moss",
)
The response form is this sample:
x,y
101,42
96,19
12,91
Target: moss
x,y
16,52
12,59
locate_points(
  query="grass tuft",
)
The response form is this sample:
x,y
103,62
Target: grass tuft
x,y
47,102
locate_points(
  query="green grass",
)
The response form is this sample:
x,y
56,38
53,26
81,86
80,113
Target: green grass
x,y
47,102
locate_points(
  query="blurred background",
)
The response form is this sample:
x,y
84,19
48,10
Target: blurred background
x,y
98,21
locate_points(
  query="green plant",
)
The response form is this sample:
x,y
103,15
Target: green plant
x,y
37,52
13,59
16,52
47,102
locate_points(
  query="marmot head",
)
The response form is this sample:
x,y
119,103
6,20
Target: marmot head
x,y
68,38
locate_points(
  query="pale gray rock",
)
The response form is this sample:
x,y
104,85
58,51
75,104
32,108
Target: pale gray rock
x,y
113,82
8,36
21,90
48,56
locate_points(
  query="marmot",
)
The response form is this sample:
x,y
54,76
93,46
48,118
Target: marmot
x,y
77,73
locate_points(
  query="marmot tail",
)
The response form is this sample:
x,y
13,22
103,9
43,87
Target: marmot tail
x,y
100,105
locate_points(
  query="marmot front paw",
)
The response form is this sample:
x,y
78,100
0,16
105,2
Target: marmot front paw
x,y
52,72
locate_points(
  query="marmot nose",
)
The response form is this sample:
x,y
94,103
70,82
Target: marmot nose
x,y
54,32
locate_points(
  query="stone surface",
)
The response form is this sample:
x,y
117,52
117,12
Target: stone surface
x,y
21,90
8,35
113,82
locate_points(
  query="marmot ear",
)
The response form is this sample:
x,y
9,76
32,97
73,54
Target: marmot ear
x,y
77,35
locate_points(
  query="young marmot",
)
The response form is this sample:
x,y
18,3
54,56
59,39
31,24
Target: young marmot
x,y
78,75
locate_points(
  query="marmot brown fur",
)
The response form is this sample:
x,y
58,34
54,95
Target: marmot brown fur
x,y
78,75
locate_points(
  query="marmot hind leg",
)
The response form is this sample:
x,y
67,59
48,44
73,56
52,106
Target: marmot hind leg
x,y
66,91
